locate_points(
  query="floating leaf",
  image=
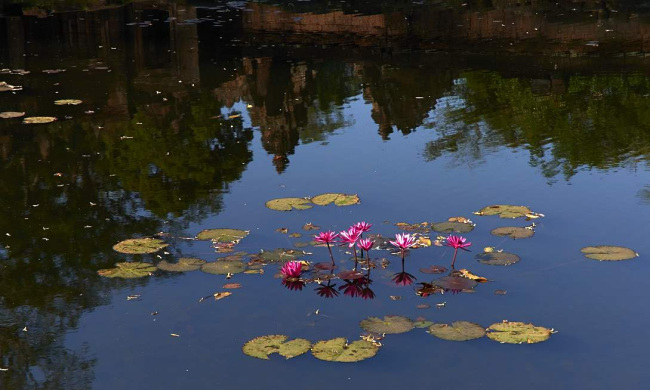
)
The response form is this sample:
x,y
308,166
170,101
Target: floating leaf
x,y
338,199
282,230
326,266
454,283
469,275
280,254
500,292
460,219
422,324
223,267
608,253
452,227
32,120
139,246
338,350
262,347
67,102
231,285
505,211
350,275
11,114
53,71
288,204
414,227
388,325
434,269
513,232
497,258
457,331
128,270
295,235
222,235
8,87
221,295
310,226
184,264
518,333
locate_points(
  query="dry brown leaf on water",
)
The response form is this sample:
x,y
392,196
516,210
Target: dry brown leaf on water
x,y
460,219
423,241
467,274
254,271
174,335
232,285
221,295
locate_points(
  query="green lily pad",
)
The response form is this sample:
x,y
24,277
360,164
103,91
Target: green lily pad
x,y
608,253
184,264
304,244
422,324
497,258
67,102
223,267
505,211
513,232
338,350
139,246
518,333
389,325
457,331
288,204
280,255
222,235
128,270
338,199
261,347
11,114
32,120
457,283
452,227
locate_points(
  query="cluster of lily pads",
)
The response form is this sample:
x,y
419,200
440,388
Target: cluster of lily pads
x,y
296,273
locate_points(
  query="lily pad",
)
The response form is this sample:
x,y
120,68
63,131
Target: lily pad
x,y
457,331
497,258
338,350
608,253
11,114
128,270
288,204
67,102
33,120
184,264
222,235
223,267
388,325
452,227
513,232
280,255
505,211
262,347
518,333
454,283
422,324
350,275
414,227
338,199
434,269
140,246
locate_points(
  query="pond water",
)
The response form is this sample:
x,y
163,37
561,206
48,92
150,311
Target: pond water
x,y
193,116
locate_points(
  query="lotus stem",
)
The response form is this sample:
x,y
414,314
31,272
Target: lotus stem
x,y
453,261
331,255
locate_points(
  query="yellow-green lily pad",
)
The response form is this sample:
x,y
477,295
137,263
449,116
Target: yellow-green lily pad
x,y
288,204
497,258
505,211
337,199
608,253
338,350
279,255
457,331
11,114
387,325
261,347
222,235
517,333
139,246
513,232
452,227
128,270
33,120
224,267
67,102
184,264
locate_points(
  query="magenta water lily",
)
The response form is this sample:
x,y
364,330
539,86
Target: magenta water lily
x,y
291,269
327,238
457,242
403,242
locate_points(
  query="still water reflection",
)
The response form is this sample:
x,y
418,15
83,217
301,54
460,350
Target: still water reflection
x,y
193,116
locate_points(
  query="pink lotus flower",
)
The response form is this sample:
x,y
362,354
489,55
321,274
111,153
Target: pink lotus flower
x,y
291,269
403,241
350,236
326,237
457,242
365,244
362,226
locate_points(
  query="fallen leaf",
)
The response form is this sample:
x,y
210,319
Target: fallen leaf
x,y
467,274
232,285
221,295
